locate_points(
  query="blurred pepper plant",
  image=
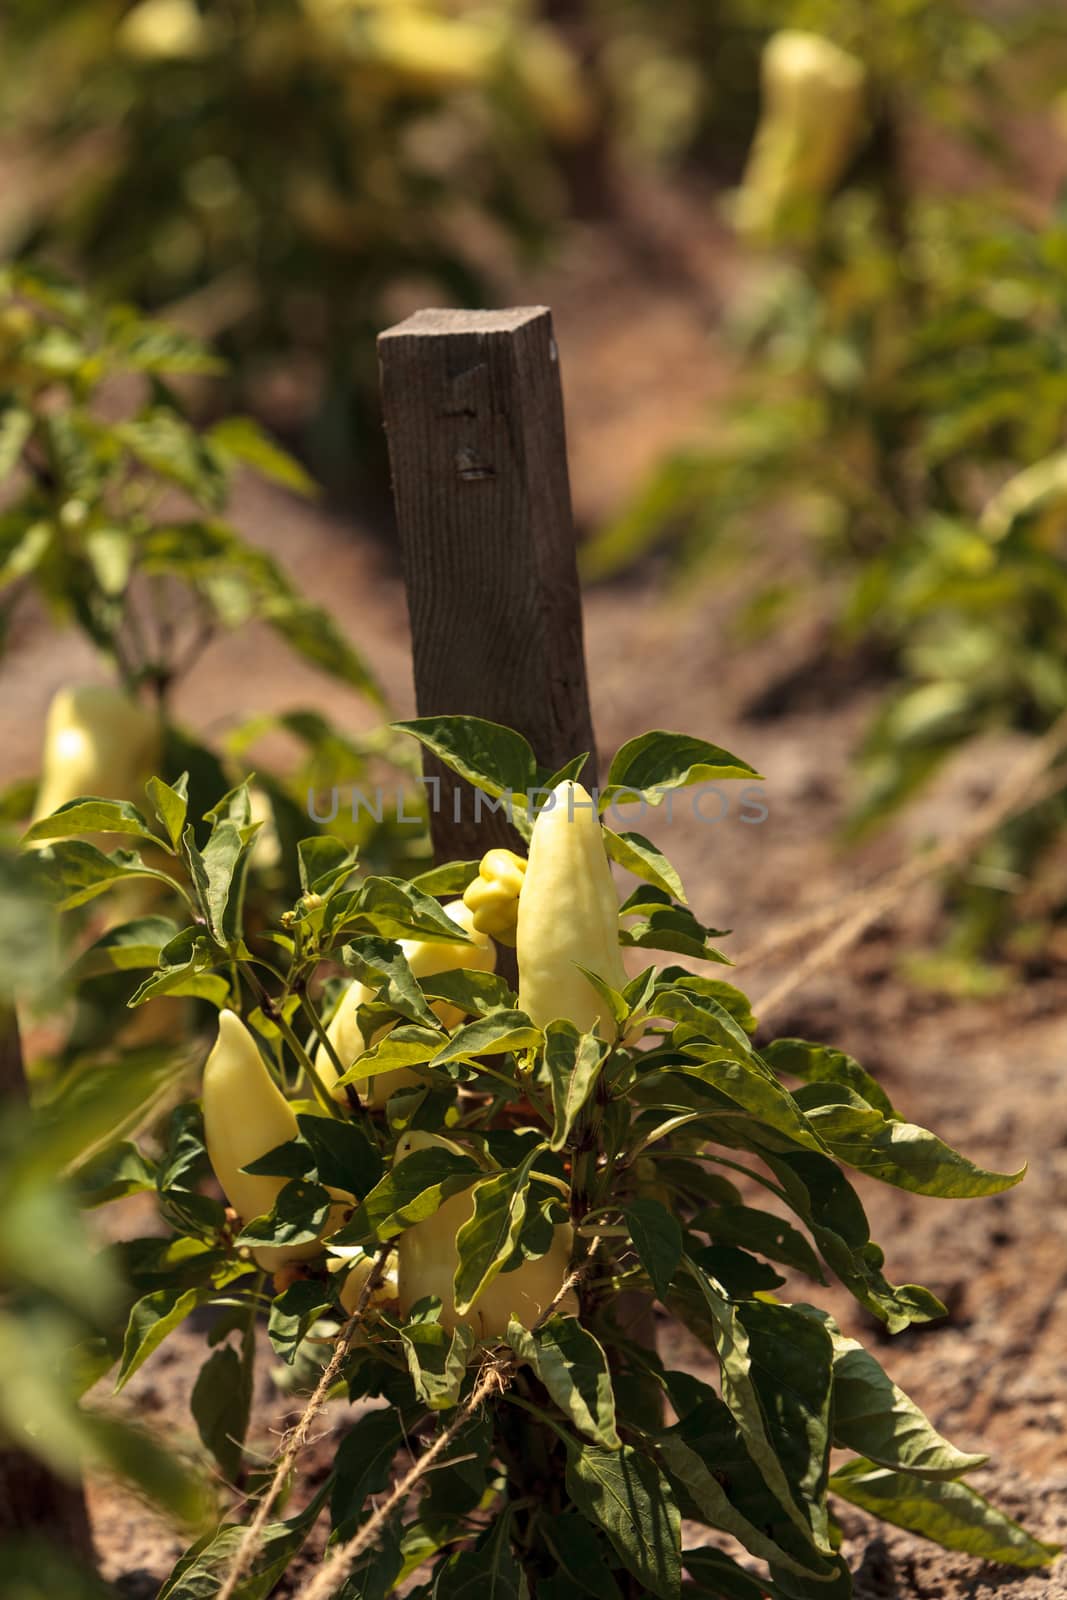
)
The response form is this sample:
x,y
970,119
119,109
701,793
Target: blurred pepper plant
x,y
899,415
60,1296
299,165
115,518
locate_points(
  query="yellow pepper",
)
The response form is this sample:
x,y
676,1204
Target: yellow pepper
x,y
493,897
163,30
245,1116
359,1267
425,960
568,917
812,119
97,741
427,1259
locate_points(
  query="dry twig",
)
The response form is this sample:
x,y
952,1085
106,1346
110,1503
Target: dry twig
x,y
297,1438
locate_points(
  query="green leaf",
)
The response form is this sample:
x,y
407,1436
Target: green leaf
x,y
742,1395
728,1087
170,805
313,634
451,878
574,1369
16,425
115,1173
344,1156
489,1572
580,1554
241,440
477,993
324,863
412,1191
791,1368
221,1404
153,1317
294,1312
650,765
718,1574
725,995
363,1466
91,815
817,1063
199,1573
297,1216
899,1153
657,1238
641,857
130,947
393,908
952,1514
718,1484
493,758
163,441
877,1420
672,928
214,870
624,1493
184,968
493,1035
826,1202
383,967
762,1231
72,872
573,1062
401,1047
437,1360
490,1235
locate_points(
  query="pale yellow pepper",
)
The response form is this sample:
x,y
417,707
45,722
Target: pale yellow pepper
x,y
427,1259
245,1117
426,960
97,741
568,917
810,125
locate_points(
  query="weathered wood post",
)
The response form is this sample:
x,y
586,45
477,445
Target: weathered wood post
x,y
473,408
474,415
33,1500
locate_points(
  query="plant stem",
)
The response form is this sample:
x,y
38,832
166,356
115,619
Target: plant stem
x,y
322,1094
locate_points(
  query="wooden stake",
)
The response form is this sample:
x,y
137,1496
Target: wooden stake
x,y
474,414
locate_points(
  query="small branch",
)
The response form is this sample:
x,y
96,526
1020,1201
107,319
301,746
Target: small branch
x,y
322,1094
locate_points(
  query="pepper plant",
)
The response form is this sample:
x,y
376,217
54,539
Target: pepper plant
x,y
475,1233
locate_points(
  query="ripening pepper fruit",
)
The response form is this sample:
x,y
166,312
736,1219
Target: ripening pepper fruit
x,y
163,30
97,741
245,1116
568,917
425,960
810,124
493,897
359,1266
427,1257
